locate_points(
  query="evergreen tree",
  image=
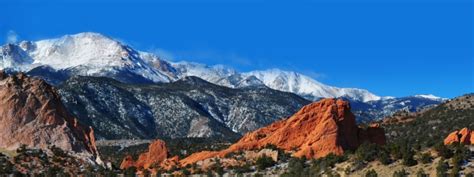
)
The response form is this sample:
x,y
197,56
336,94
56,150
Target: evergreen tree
x,y
441,168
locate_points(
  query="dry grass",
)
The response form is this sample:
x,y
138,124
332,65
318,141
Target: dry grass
x,y
8,153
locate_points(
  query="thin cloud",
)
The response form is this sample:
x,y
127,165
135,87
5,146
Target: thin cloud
x,y
12,37
162,53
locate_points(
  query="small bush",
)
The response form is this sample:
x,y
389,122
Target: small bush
x,y
264,162
421,173
401,173
371,173
425,158
441,168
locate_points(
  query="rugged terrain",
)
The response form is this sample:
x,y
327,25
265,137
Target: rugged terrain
x,y
32,114
318,129
190,107
433,125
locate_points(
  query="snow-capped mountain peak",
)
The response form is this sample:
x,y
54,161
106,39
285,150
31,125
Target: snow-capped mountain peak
x,y
290,81
91,54
94,54
89,49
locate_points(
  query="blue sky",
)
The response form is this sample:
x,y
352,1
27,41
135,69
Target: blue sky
x,y
389,47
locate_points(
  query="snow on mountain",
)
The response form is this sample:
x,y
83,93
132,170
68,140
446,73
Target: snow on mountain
x,y
303,85
13,57
211,74
217,74
286,81
93,54
431,97
89,54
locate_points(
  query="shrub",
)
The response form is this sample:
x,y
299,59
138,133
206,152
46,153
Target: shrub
x,y
217,167
443,151
366,152
243,169
296,168
131,171
456,160
401,173
425,158
441,168
421,173
371,173
383,157
264,162
407,157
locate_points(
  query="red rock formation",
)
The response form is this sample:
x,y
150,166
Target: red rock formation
x,y
464,136
31,113
315,131
127,162
157,154
472,137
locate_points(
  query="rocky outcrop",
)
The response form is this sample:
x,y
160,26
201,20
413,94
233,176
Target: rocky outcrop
x,y
157,154
464,136
32,114
318,129
127,162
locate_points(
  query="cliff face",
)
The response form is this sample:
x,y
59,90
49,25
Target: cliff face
x,y
318,129
31,113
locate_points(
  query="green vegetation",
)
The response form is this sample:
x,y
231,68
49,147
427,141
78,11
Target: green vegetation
x,y
401,173
371,173
296,168
431,127
264,162
39,163
442,168
421,173
425,158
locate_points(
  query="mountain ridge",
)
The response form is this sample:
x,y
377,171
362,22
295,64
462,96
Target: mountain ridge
x,y
189,107
94,54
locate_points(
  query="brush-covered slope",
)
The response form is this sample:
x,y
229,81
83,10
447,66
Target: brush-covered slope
x,y
432,126
190,107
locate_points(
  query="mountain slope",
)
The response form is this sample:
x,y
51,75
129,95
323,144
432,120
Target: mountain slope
x,y
378,109
88,54
190,107
286,81
433,125
303,85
